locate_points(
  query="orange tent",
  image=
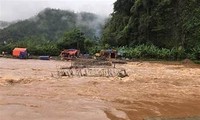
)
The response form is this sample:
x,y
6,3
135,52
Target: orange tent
x,y
18,51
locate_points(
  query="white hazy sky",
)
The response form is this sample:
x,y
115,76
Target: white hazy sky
x,y
11,10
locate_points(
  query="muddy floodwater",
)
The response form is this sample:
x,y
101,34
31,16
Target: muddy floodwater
x,y
32,90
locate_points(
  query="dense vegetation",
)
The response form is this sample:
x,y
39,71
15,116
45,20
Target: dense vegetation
x,y
153,52
166,24
158,29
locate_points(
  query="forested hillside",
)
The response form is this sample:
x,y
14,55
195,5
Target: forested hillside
x,y
50,24
53,30
163,23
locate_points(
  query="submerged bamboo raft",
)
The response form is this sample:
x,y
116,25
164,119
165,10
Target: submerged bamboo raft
x,y
92,68
93,72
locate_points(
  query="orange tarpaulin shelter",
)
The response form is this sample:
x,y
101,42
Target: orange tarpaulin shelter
x,y
69,53
20,52
72,52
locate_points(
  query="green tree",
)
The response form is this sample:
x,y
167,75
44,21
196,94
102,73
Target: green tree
x,y
72,40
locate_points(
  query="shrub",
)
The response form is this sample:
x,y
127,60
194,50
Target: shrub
x,y
153,52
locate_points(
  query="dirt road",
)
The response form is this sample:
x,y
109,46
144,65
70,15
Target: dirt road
x,y
31,90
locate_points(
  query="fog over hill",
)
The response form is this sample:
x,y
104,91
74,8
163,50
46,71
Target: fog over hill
x,y
4,24
12,10
50,24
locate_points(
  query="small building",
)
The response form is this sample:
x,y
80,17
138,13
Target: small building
x,y
20,53
69,54
110,53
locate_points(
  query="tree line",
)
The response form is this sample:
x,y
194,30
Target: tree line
x,y
159,29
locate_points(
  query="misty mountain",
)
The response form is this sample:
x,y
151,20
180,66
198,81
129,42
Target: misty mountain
x,y
50,24
4,24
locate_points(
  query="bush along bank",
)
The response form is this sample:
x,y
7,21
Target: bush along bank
x,y
153,52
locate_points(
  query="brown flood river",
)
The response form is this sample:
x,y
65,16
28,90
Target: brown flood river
x,y
31,90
